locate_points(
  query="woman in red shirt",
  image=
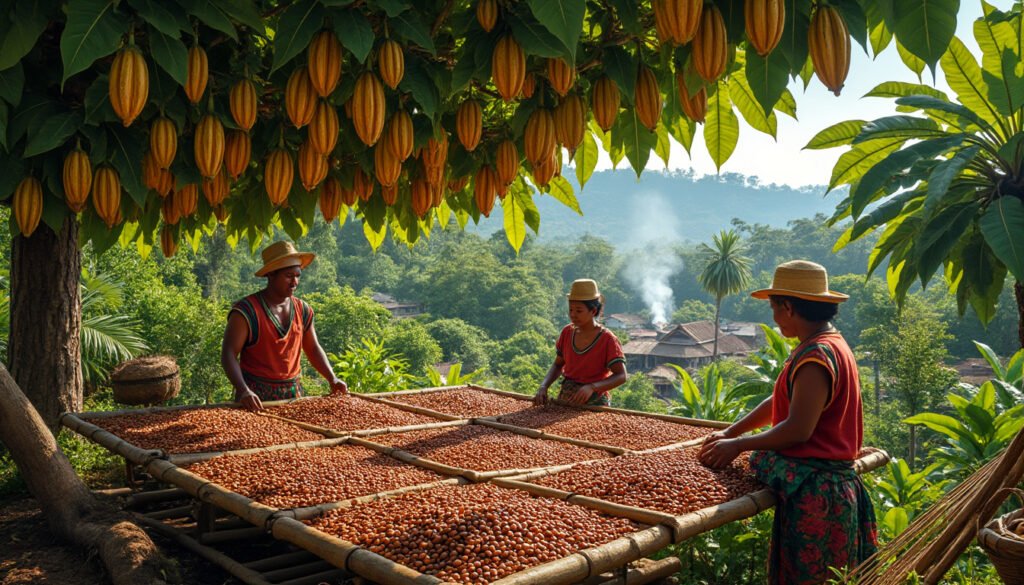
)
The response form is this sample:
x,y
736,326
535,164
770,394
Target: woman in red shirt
x,y
587,356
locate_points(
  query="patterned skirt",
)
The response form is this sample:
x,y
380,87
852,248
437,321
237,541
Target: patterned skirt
x,y
570,386
273,389
824,518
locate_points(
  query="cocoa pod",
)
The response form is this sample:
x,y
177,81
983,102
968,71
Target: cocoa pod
x,y
386,167
435,153
764,21
312,165
434,174
506,162
129,84
163,142
661,26
216,190
829,42
362,184
27,205
570,121
237,152
487,14
647,97
710,48
221,213
436,195
422,198
106,195
330,200
561,75
243,103
323,128
186,200
400,135
300,97
485,189
508,67
389,193
348,195
605,101
76,176
456,185
469,124
198,74
168,243
164,182
323,57
368,108
683,18
529,85
278,175
694,106
209,146
539,137
169,210
391,63
545,170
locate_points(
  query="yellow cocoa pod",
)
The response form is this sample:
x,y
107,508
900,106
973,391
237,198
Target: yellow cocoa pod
x,y
485,189
435,153
324,58
129,84
647,97
312,166
348,196
209,145
163,142
389,193
243,103
436,195
487,14
362,185
150,170
368,108
77,179
400,135
278,175
434,175
529,85
682,19
169,210
198,74
168,243
216,189
605,101
237,152
27,205
694,106
299,98
829,42
330,199
456,185
164,182
710,48
661,27
545,170
186,200
570,122
422,197
539,137
386,166
764,21
506,162
561,75
469,119
323,129
221,213
391,63
508,68
106,195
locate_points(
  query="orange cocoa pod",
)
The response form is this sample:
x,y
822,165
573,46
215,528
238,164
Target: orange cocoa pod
x,y
539,137
829,42
237,152
216,189
506,162
529,85
129,84
164,182
570,122
324,59
661,26
508,68
209,146
456,185
561,75
150,170
435,153
312,166
694,106
106,195
243,103
469,124
436,195
198,74
169,210
27,205
647,97
348,196
710,48
362,185
487,14
683,19
77,179
391,63
168,243
422,197
485,189
545,170
368,108
434,175
221,213
300,97
764,21
386,167
330,199
186,200
605,101
278,175
163,142
323,129
389,193
400,135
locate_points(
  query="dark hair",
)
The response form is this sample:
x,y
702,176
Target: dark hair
x,y
814,311
593,305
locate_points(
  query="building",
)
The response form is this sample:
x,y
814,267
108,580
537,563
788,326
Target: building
x,y
398,310
689,345
625,321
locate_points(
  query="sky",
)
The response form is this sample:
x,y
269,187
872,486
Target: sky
x,y
783,161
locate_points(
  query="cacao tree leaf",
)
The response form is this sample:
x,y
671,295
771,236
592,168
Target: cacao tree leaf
x,y
411,27
1001,65
856,20
621,67
444,214
354,31
375,237
211,15
562,191
931,104
531,215
662,146
683,130
964,77
942,176
1002,224
835,135
535,39
28,21
628,14
637,140
127,146
3,126
793,45
879,35
897,89
940,234
767,77
93,30
392,7
722,129
910,60
895,162
983,277
786,104
418,82
14,172
29,116
299,22
515,223
53,132
926,28
563,19
12,82
852,165
159,16
170,54
586,159
244,12
750,108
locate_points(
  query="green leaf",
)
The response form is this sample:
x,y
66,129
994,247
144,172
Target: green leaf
x,y
1001,64
170,54
906,127
3,126
586,159
964,77
835,135
910,60
897,89
211,15
392,7
628,14
856,20
535,39
28,21
767,77
93,30
1003,227
750,108
562,191
159,16
410,26
621,67
126,145
896,519
299,22
419,83
29,116
940,235
722,128
943,174
662,146
375,237
793,45
932,105
882,172
563,19
856,161
926,28
879,34
54,131
12,82
354,31
637,140
515,225
683,130
244,12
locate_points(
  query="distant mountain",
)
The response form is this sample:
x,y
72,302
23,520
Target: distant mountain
x,y
667,206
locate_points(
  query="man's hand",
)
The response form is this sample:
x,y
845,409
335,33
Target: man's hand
x,y
338,386
250,401
541,397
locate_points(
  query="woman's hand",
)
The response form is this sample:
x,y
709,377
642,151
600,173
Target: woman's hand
x,y
338,386
582,394
250,401
541,397
718,450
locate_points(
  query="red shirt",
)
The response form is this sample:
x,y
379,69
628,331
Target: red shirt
x,y
840,429
273,350
592,363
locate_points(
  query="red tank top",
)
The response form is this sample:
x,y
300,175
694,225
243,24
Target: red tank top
x,y
840,429
273,350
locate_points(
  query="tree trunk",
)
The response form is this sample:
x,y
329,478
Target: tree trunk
x,y
70,509
718,309
1018,291
44,351
913,446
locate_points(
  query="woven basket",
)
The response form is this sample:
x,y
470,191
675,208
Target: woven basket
x,y
146,380
1004,547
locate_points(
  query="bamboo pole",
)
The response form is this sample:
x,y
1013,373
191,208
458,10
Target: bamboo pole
x,y
670,447
643,571
516,395
317,579
696,422
168,472
537,434
222,536
143,498
410,428
109,441
114,492
700,521
568,569
622,551
641,515
282,560
526,477
382,570
245,508
185,459
537,490
310,512
420,410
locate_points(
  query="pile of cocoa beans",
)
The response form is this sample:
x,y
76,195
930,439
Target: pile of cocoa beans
x,y
472,534
347,413
668,481
295,478
485,449
202,430
465,402
607,428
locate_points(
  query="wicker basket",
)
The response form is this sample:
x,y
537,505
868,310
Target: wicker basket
x,y
146,380
1003,546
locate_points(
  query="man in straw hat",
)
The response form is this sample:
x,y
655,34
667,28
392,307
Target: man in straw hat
x,y
267,332
824,517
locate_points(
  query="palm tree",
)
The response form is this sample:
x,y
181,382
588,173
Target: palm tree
x,y
727,271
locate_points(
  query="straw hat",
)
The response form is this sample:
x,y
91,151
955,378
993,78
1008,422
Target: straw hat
x,y
283,255
803,280
584,289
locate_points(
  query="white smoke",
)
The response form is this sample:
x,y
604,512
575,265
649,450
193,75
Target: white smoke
x,y
653,260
